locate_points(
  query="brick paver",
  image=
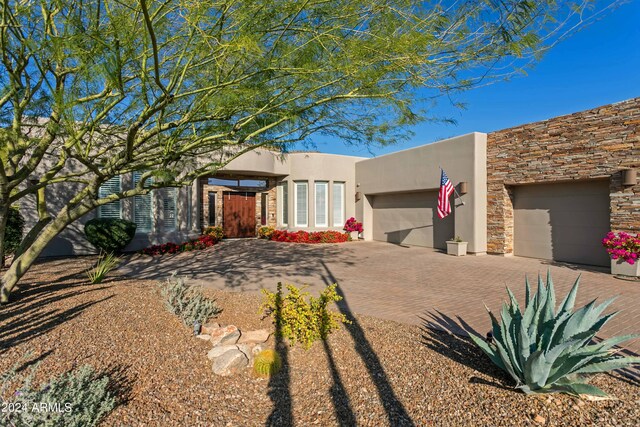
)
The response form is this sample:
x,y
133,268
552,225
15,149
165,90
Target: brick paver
x,y
406,284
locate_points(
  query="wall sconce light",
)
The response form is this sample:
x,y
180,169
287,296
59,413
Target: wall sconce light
x,y
463,187
629,177
358,196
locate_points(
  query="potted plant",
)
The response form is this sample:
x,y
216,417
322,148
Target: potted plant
x,y
456,246
353,227
624,250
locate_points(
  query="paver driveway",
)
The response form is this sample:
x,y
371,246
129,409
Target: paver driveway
x,y
401,283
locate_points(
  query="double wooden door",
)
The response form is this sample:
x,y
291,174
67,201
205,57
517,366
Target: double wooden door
x,y
239,214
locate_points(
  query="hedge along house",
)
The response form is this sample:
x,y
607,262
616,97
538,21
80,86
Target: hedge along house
x,y
550,190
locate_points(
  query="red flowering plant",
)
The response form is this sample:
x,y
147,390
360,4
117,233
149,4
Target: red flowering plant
x,y
622,246
352,225
202,242
306,237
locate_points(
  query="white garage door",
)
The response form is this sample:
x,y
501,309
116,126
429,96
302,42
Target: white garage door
x,y
562,222
411,219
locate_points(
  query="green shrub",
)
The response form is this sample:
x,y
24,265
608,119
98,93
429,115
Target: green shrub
x,y
105,263
13,231
187,302
300,320
267,363
265,232
214,231
109,234
77,398
548,351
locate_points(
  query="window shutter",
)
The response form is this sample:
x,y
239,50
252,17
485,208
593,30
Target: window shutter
x,y
302,203
142,207
338,204
321,204
169,209
111,209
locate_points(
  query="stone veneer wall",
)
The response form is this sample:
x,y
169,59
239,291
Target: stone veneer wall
x,y
205,188
592,144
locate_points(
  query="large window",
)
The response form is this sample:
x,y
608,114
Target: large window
x,y
282,199
111,209
321,205
169,209
233,182
338,204
301,203
142,208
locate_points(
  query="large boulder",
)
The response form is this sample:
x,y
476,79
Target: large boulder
x,y
223,336
254,337
230,362
219,350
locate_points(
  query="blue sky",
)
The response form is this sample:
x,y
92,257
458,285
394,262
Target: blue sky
x,y
596,66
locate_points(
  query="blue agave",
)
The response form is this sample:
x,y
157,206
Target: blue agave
x,y
547,350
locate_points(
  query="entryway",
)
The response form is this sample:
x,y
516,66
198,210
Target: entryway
x,y
239,214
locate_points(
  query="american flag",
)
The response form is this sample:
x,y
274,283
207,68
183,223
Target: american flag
x,y
446,188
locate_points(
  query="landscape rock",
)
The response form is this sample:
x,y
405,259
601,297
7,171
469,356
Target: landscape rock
x,y
204,337
219,350
208,328
219,336
258,348
246,349
229,363
254,337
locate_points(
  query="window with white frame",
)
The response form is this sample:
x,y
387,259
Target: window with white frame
x,y
321,203
282,199
111,209
338,204
301,202
169,208
142,208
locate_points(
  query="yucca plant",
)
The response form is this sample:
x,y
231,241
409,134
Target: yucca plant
x,y
547,350
106,262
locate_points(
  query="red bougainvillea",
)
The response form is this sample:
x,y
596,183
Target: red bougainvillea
x,y
306,237
201,242
622,246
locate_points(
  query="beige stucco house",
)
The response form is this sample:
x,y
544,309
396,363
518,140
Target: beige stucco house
x,y
550,190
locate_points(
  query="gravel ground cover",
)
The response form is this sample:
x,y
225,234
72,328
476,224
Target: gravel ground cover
x,y
370,373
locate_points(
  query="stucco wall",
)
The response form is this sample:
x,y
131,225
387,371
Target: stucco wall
x,y
418,169
592,144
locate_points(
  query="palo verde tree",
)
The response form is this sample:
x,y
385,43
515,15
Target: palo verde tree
x,y
174,89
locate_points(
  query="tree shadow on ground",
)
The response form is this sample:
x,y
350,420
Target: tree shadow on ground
x,y
339,397
121,382
448,337
396,413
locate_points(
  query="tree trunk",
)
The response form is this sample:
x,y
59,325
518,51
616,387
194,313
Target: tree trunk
x,y
4,214
22,263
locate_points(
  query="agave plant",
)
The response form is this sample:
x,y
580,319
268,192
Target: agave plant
x,y
547,350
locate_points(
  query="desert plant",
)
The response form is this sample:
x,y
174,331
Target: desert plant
x,y
265,232
77,398
300,320
547,351
105,263
267,363
187,302
13,231
109,234
214,231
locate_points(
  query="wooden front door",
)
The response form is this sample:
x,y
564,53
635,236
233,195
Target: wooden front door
x,y
239,214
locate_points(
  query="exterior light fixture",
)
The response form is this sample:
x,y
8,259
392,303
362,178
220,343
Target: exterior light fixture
x,y
629,177
358,196
463,188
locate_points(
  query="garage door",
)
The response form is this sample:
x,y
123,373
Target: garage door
x,y
411,219
562,222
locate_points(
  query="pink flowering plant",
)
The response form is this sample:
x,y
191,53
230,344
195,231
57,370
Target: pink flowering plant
x,y
622,246
352,225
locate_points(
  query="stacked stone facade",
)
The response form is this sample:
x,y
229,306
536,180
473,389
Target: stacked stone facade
x,y
270,191
589,145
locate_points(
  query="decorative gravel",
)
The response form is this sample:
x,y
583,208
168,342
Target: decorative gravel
x,y
370,373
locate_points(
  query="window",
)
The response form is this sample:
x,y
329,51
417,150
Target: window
x,y
264,209
169,209
338,204
212,208
258,183
142,208
283,203
111,209
322,208
232,182
301,204
223,181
